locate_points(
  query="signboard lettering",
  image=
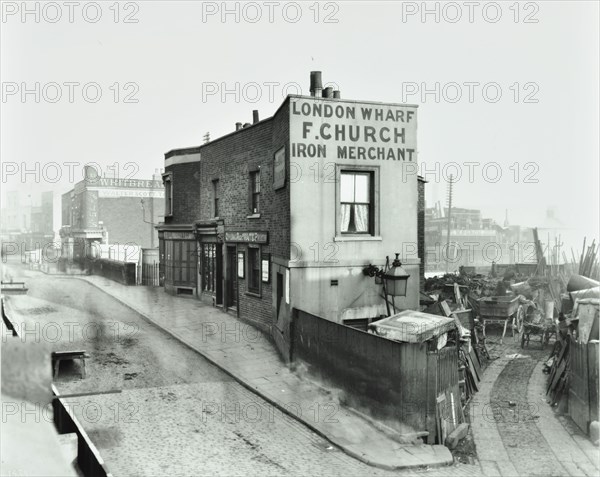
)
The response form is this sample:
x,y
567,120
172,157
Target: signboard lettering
x,y
179,235
367,132
247,237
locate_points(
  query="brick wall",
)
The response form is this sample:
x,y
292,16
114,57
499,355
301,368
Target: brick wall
x,y
230,160
421,229
123,218
186,193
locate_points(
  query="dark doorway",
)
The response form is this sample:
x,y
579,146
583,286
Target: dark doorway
x,y
231,278
279,296
219,285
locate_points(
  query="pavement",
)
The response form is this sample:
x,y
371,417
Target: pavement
x,y
246,354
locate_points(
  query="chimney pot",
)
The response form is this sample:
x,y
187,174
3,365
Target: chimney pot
x,y
246,125
328,92
316,84
255,116
238,126
336,94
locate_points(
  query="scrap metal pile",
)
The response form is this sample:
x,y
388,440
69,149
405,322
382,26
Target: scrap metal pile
x,y
528,304
552,300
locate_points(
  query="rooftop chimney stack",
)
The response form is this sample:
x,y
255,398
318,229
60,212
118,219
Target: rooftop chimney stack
x,y
336,94
238,126
316,84
255,116
328,92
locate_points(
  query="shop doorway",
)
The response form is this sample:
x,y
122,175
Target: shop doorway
x,y
231,279
219,267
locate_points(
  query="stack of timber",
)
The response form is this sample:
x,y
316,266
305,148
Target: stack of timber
x,y
557,390
588,263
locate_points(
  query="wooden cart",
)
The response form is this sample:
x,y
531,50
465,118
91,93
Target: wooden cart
x,y
499,310
531,322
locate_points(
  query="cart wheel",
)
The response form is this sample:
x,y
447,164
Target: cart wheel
x,y
522,338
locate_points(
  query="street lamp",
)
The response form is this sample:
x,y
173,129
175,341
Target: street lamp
x,y
394,279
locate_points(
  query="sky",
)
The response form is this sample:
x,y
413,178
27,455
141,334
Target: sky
x,y
507,92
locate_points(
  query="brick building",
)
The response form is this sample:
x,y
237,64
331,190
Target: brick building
x,y
286,212
110,211
177,240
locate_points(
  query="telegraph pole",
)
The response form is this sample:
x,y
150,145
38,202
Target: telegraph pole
x,y
449,201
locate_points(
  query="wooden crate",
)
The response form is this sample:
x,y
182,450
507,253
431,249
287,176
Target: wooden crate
x,y
498,307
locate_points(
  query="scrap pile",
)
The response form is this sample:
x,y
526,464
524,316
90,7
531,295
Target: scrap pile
x,y
458,295
576,329
588,264
455,296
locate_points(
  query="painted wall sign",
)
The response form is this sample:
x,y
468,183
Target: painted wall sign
x,y
144,184
103,193
247,237
279,169
352,131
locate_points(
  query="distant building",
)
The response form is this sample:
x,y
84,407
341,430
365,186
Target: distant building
x,y
27,219
475,241
286,212
110,211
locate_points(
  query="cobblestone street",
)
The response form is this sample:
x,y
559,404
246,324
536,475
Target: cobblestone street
x,y
149,400
147,377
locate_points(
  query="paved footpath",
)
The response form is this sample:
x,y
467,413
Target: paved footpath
x,y
250,357
515,431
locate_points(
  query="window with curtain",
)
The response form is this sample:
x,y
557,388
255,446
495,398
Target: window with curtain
x,y
356,203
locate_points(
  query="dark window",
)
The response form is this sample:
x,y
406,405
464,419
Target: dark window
x,y
255,192
180,262
356,202
168,194
253,270
215,197
209,267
